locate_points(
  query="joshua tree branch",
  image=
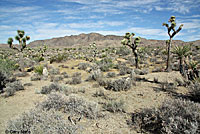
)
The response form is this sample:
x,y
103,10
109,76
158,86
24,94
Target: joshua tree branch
x,y
129,45
175,32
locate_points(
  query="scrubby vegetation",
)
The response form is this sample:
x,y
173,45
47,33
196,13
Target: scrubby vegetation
x,y
38,121
98,87
174,116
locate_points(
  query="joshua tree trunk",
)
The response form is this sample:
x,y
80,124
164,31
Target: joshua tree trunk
x,y
136,59
168,56
181,68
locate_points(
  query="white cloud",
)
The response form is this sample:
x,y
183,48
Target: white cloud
x,y
189,24
179,6
17,9
135,3
98,24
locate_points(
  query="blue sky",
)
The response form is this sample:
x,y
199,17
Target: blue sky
x,y
45,19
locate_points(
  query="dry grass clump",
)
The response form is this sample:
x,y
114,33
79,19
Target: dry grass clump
x,y
172,117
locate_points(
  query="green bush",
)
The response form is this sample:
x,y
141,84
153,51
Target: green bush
x,y
123,51
7,65
105,64
58,58
39,58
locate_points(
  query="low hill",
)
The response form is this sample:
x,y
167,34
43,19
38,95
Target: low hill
x,y
100,40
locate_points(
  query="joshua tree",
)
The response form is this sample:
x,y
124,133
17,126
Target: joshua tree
x,y
171,35
10,41
132,44
22,40
181,52
94,50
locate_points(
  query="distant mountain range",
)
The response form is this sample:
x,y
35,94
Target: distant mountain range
x,y
100,40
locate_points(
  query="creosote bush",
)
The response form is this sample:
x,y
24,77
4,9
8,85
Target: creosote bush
x,y
95,75
114,106
194,93
105,64
172,117
50,88
83,66
123,51
7,65
3,80
11,88
38,121
71,104
120,84
75,80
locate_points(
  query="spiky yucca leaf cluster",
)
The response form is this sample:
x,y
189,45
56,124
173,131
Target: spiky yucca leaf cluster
x,y
127,39
181,51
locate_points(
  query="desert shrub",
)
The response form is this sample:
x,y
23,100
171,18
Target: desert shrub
x,y
3,80
7,65
172,117
50,88
123,51
17,85
111,74
12,87
9,91
35,77
21,74
38,58
121,84
76,74
99,93
95,75
194,93
54,71
65,75
38,69
38,121
114,106
67,89
123,70
105,64
58,58
83,66
75,80
56,78
71,104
